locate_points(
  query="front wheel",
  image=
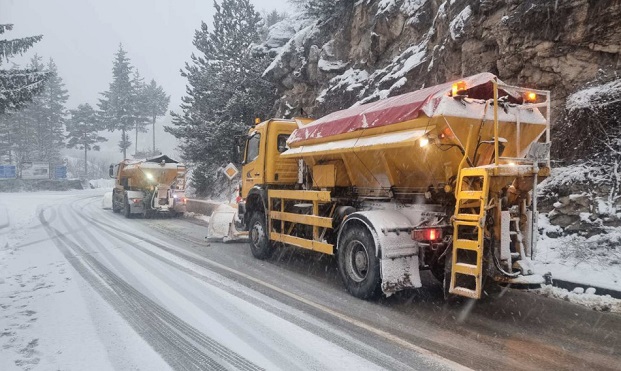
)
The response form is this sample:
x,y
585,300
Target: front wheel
x,y
359,264
127,211
260,244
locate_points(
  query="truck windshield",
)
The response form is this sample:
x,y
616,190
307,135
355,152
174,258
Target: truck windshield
x,y
252,148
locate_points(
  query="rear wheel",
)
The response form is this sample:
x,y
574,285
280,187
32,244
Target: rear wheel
x,y
259,242
358,263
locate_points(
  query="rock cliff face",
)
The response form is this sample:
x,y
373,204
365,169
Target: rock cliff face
x,y
379,48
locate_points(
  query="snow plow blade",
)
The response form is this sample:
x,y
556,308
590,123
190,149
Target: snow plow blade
x,y
106,201
222,225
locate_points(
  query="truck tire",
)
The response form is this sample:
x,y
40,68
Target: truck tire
x,y
127,211
260,245
358,263
115,207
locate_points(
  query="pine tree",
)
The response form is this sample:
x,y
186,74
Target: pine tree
x,y
38,132
156,104
83,131
140,114
116,105
54,112
17,86
225,89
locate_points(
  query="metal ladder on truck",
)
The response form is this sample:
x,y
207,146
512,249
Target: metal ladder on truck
x,y
467,262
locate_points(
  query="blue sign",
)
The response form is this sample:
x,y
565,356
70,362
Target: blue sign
x,y
60,172
8,172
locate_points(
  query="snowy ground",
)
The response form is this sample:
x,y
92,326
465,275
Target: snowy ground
x,y
76,294
589,261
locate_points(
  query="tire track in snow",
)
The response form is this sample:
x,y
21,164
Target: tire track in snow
x,y
175,340
431,358
281,356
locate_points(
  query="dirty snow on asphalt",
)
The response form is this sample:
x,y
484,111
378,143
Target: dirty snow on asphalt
x,y
77,294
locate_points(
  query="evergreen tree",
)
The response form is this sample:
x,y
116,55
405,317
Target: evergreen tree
x,y
17,86
38,133
156,104
83,131
116,105
51,133
140,114
323,9
225,90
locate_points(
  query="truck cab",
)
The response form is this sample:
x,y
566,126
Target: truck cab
x,y
262,165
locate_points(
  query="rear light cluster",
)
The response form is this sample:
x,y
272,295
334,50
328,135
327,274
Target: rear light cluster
x,y
427,234
136,200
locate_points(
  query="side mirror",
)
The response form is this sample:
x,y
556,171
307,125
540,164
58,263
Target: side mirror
x,y
111,171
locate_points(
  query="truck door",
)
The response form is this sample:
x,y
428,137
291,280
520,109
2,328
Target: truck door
x,y
254,163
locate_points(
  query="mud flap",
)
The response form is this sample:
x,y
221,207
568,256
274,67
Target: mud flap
x,y
222,225
399,273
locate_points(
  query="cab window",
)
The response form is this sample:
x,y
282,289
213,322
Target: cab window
x,y
282,142
252,148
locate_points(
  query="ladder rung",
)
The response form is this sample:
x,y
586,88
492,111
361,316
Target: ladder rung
x,y
470,195
466,245
473,217
468,269
467,223
464,292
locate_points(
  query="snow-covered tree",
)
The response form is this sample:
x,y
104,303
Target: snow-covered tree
x,y
140,113
156,102
17,86
116,104
52,107
322,9
225,90
37,132
83,131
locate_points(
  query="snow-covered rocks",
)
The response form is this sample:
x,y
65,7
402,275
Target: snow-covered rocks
x,y
603,303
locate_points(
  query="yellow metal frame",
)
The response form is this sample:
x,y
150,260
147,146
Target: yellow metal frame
x,y
314,220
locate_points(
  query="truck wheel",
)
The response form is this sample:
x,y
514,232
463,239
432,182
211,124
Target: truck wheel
x,y
259,242
358,263
127,209
115,208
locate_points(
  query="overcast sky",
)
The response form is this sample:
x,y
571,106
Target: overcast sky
x,y
83,35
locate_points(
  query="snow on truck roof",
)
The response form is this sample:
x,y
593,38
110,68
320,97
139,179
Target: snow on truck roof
x,y
392,110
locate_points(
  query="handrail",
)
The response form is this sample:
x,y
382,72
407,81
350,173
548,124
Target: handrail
x,y
496,145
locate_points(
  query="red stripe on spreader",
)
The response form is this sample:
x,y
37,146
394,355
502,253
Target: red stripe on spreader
x,y
380,113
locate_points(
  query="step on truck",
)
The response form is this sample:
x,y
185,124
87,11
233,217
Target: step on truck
x,y
149,187
441,179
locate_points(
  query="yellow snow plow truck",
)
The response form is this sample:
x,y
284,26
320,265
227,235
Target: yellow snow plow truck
x,y
148,187
443,179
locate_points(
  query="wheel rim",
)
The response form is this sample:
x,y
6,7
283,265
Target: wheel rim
x,y
357,261
257,233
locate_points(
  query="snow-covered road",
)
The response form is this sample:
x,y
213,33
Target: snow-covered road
x,y
117,298
83,288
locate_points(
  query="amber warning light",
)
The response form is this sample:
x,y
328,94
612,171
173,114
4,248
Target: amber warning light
x,y
427,234
530,97
458,88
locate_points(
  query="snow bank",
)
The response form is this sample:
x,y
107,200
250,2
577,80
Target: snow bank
x,y
594,97
101,183
603,303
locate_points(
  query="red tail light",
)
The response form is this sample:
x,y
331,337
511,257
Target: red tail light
x,y
427,234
